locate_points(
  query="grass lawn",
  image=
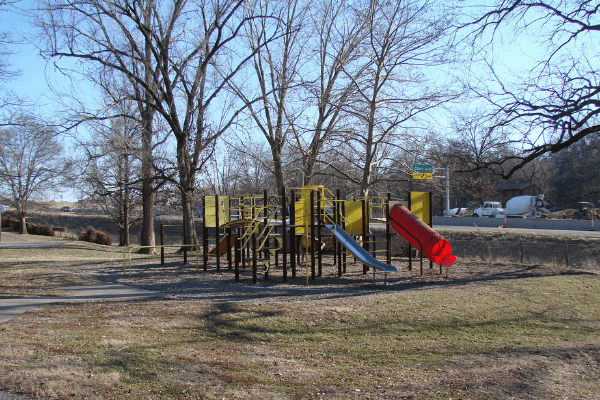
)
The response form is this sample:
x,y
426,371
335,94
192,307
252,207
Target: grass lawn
x,y
531,337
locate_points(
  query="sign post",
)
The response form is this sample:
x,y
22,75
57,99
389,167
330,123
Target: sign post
x,y
2,209
425,171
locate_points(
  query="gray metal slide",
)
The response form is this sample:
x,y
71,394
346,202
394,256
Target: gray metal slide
x,y
356,249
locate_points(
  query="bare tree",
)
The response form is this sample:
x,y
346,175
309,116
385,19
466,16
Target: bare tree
x,y
404,38
31,163
111,170
6,40
233,171
173,52
335,45
111,47
277,72
552,101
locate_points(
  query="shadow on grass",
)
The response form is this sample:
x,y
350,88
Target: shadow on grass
x,y
186,282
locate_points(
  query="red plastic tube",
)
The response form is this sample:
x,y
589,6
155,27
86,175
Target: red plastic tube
x,y
435,247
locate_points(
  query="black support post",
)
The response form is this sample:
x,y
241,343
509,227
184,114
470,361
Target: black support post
x,y
204,235
284,234
293,247
312,234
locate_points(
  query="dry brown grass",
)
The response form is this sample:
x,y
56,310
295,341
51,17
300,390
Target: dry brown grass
x,y
490,331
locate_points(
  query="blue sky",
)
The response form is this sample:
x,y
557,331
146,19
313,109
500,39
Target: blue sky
x,y
36,74
32,82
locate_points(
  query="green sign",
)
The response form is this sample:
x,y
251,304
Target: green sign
x,y
422,171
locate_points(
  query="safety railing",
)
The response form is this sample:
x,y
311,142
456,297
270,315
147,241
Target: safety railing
x,y
127,253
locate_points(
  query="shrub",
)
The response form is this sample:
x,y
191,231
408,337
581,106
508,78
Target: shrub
x,y
8,221
95,236
43,230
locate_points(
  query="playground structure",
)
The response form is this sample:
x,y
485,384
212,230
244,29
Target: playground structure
x,y
289,231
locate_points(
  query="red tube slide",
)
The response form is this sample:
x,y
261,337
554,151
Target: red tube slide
x,y
435,247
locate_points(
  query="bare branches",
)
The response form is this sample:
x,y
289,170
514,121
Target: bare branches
x,y
31,162
557,104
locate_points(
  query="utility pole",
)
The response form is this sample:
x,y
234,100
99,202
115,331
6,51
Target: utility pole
x,y
447,176
447,191
3,209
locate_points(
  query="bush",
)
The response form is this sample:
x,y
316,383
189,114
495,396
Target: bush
x,y
95,236
43,230
9,222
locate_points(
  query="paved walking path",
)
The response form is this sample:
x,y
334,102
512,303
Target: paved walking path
x,y
15,306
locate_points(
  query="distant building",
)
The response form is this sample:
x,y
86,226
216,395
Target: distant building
x,y
513,189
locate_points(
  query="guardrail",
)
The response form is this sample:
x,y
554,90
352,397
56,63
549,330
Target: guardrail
x,y
127,253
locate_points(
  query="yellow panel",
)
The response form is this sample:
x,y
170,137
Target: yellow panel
x,y
419,205
302,216
305,192
422,175
211,211
354,217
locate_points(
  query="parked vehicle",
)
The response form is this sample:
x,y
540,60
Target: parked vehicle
x,y
585,210
488,209
66,209
455,211
525,207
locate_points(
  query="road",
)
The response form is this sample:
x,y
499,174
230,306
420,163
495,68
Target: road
x,y
556,226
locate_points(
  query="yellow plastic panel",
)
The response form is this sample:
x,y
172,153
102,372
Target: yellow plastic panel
x,y
419,205
210,213
302,216
354,217
305,192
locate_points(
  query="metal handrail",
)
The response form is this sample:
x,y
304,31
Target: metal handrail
x,y
131,248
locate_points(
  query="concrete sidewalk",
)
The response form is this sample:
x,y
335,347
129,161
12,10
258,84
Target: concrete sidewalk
x,y
13,307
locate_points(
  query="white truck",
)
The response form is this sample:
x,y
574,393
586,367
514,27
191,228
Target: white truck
x,y
525,207
488,209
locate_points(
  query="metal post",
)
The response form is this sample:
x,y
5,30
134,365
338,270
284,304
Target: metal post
x,y
431,225
229,260
447,191
342,248
217,233
293,233
319,238
204,235
365,225
409,245
162,244
266,253
337,250
284,234
184,240
313,237
2,209
388,232
254,259
237,254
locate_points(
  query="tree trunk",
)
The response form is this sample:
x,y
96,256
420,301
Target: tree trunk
x,y
147,238
147,114
188,217
187,183
278,169
23,221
